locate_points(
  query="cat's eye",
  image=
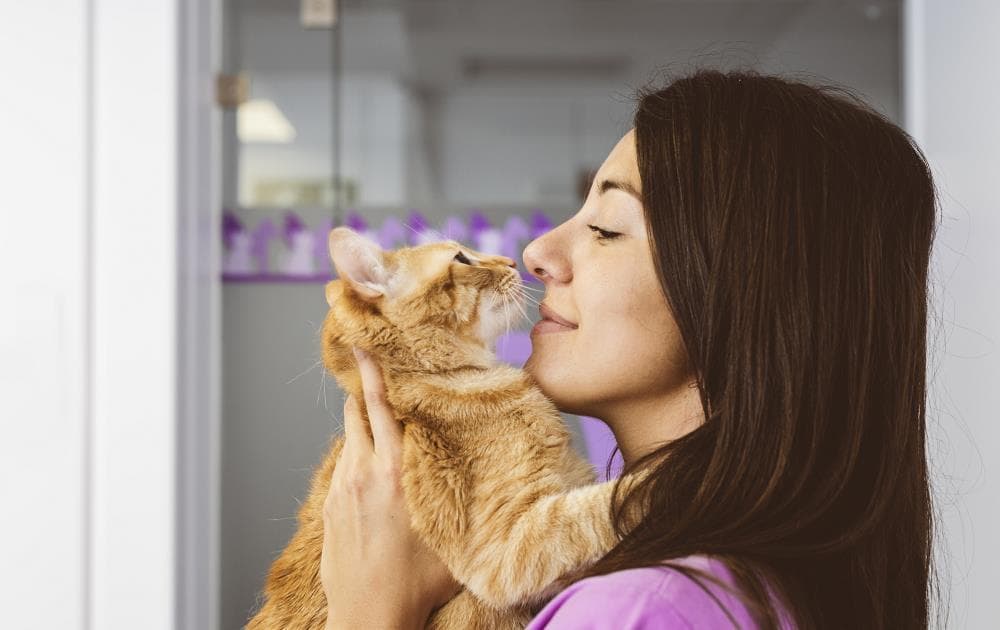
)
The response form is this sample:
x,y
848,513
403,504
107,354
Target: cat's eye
x,y
460,257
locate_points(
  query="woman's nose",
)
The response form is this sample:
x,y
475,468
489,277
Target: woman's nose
x,y
544,259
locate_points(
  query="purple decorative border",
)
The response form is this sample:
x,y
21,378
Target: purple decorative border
x,y
278,278
600,443
291,251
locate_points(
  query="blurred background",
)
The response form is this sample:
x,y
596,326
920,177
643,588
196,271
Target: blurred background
x,y
172,167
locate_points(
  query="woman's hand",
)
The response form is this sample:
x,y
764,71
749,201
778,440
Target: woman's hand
x,y
375,571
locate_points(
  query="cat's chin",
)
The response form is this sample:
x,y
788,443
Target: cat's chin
x,y
494,319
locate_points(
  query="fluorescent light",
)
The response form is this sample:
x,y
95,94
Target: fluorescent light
x,y
260,120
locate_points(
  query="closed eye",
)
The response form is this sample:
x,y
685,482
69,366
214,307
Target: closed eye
x,y
604,234
460,257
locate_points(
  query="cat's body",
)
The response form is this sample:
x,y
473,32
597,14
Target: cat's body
x,y
490,477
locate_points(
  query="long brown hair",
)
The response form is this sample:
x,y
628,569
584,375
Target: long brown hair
x,y
791,228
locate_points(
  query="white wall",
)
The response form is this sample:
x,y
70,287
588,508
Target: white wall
x,y
45,341
134,317
88,324
952,100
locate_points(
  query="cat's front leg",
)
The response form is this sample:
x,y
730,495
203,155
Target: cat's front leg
x,y
508,541
551,537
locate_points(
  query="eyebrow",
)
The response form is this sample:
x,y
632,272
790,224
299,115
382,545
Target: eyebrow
x,y
609,184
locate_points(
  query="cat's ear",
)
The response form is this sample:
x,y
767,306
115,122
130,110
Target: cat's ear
x,y
359,262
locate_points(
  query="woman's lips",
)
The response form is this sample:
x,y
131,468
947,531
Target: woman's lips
x,y
547,326
547,313
551,322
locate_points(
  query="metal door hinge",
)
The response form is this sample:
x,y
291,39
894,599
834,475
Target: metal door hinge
x,y
231,90
318,13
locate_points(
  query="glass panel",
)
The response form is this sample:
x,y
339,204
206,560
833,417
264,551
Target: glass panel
x,y
285,131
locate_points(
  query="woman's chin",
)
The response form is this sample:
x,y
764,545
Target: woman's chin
x,y
529,366
551,390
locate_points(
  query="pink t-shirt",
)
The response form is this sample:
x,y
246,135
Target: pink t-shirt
x,y
647,598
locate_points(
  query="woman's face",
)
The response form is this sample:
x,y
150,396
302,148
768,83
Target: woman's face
x,y
622,353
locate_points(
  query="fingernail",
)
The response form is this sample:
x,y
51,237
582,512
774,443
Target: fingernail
x,y
359,354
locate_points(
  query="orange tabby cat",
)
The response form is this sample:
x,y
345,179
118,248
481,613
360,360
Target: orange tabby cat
x,y
490,479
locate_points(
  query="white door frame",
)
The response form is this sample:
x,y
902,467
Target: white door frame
x,y
199,336
155,447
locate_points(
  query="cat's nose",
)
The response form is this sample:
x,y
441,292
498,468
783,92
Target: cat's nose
x,y
510,262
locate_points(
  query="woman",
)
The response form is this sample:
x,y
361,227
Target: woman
x,y
745,293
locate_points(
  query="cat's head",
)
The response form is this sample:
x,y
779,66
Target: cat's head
x,y
429,307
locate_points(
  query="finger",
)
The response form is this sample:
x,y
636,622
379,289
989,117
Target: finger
x,y
387,432
357,438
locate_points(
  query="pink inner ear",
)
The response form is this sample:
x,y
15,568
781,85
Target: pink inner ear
x,y
358,261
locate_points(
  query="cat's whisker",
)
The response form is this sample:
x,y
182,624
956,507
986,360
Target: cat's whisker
x,y
511,322
505,301
520,307
438,236
506,316
531,298
322,390
524,313
322,383
517,303
306,371
526,296
410,227
324,393
508,296
510,301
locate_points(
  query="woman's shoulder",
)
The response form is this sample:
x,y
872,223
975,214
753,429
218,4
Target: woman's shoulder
x,y
647,597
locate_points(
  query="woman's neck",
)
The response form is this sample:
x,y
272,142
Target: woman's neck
x,y
641,425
